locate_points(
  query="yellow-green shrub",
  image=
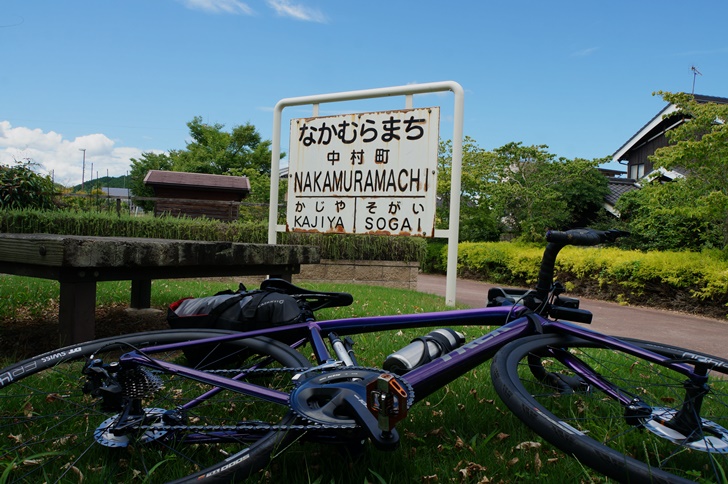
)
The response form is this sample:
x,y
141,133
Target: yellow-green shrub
x,y
667,279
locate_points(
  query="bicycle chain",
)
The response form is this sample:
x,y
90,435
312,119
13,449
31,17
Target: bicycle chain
x,y
269,427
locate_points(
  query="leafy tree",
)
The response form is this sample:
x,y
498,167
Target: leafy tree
x,y
535,192
477,219
139,169
215,151
690,213
21,187
240,152
524,187
671,216
700,146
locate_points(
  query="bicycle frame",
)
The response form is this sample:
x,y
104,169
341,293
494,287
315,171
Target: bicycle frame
x,y
428,377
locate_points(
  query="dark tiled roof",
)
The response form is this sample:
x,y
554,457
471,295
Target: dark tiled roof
x,y
618,187
197,180
710,99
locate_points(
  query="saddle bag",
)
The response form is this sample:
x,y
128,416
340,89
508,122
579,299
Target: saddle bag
x,y
241,310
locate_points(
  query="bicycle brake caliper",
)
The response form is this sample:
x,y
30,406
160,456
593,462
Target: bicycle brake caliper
x,y
387,401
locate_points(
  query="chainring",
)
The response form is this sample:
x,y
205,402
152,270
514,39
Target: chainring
x,y
314,399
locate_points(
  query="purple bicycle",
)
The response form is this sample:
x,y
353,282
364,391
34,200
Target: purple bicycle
x,y
217,405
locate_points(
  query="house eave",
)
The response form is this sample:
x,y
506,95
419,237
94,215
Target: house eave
x,y
640,135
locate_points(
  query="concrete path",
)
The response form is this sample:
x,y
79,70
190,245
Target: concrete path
x,y
693,332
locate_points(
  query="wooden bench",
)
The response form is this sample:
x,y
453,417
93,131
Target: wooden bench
x,y
78,263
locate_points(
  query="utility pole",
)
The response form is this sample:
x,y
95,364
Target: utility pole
x,y
83,170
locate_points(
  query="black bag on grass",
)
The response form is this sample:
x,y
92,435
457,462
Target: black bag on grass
x,y
242,310
238,311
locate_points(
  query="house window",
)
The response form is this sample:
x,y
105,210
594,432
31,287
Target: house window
x,y
637,171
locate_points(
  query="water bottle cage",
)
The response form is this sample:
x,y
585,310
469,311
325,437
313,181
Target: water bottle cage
x,y
439,339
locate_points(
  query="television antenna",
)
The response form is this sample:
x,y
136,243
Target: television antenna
x,y
696,73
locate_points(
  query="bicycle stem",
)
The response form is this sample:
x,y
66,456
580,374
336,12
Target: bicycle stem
x,y
546,272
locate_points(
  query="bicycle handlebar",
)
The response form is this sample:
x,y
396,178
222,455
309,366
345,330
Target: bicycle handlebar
x,y
583,237
558,240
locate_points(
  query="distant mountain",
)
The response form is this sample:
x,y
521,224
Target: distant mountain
x,y
104,181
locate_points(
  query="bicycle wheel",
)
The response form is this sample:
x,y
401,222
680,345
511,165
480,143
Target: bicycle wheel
x,y
58,425
663,436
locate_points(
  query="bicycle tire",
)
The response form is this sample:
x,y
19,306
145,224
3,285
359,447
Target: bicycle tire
x,y
51,430
586,423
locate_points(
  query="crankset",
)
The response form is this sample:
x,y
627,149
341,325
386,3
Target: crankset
x,y
370,398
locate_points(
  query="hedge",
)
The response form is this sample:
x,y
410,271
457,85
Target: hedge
x,y
694,282
106,224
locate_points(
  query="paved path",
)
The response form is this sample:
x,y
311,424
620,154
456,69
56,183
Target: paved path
x,y
693,332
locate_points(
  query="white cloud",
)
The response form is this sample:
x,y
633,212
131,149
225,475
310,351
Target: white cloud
x,y
219,6
63,158
285,8
584,52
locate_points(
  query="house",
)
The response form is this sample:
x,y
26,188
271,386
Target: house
x,y
636,151
197,194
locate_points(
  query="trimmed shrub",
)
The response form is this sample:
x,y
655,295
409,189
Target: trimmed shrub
x,y
105,224
695,282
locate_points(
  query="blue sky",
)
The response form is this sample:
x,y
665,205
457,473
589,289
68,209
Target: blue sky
x,y
118,78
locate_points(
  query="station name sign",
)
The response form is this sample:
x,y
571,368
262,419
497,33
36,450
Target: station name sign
x,y
364,173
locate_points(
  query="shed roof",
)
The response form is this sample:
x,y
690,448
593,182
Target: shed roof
x,y
198,180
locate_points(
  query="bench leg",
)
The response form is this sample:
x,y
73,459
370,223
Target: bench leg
x,y
77,312
141,293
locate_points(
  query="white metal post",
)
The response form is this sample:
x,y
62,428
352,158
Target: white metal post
x,y
457,151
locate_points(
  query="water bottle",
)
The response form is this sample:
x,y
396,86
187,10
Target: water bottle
x,y
422,350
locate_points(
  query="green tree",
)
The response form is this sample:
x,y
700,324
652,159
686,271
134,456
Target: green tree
x,y
22,187
215,151
671,216
139,169
212,150
478,222
525,188
534,191
700,146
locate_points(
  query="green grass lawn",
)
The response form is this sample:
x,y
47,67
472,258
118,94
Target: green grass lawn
x,y
462,433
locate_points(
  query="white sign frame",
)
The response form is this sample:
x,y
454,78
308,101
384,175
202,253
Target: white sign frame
x,y
451,233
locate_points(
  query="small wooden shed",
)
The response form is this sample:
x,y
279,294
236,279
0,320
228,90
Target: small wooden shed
x,y
197,194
